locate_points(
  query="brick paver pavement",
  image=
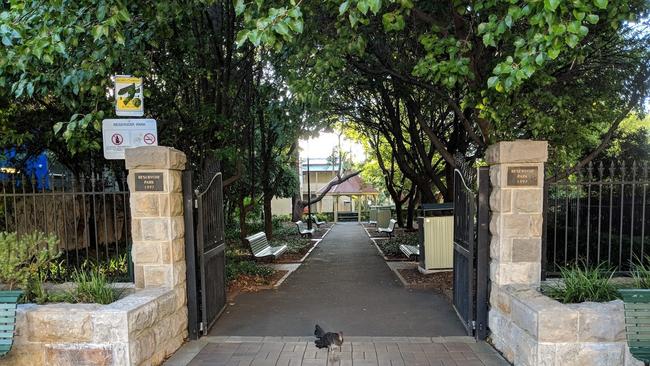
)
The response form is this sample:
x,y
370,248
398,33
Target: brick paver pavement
x,y
356,351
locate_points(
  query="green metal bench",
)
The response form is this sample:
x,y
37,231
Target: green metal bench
x,y
637,322
303,230
261,248
8,302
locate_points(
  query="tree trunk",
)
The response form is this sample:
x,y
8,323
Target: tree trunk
x,y
268,216
410,209
398,213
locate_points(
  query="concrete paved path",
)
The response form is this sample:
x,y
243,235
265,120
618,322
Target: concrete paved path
x,y
356,351
343,285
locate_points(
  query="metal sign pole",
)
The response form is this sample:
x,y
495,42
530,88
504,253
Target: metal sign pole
x,y
308,198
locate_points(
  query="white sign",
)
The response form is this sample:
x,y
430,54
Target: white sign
x,y
129,96
121,134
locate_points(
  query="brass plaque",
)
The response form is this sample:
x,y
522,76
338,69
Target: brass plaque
x,y
522,176
149,182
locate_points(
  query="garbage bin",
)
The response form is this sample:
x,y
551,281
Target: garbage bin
x,y
436,231
372,215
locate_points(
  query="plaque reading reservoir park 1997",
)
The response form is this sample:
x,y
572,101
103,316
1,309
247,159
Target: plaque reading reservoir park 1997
x,y
522,176
149,182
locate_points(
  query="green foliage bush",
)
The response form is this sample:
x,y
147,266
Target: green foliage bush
x,y
294,245
22,259
279,220
390,247
94,287
580,283
641,273
235,269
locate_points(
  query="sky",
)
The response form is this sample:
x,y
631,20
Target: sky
x,y
321,147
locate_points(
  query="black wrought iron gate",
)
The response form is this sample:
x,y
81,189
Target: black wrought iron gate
x,y
471,250
205,253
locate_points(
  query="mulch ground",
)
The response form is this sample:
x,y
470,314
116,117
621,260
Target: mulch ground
x,y
246,283
294,257
439,281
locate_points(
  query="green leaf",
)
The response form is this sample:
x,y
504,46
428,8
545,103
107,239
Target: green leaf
x,y
579,15
344,7
551,5
57,127
240,6
602,4
375,5
281,28
242,36
492,81
592,18
6,41
296,25
508,20
553,53
574,27
363,7
539,59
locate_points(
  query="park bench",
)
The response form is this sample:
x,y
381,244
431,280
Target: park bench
x,y
303,230
410,250
8,303
637,322
315,220
261,247
388,230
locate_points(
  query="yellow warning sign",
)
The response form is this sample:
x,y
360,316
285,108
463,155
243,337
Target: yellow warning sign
x,y
129,96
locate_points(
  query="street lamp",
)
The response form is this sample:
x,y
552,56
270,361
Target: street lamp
x,y
308,197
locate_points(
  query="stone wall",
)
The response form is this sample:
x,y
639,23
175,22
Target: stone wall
x,y
526,326
140,329
533,329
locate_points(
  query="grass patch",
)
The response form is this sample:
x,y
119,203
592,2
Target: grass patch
x,y
580,283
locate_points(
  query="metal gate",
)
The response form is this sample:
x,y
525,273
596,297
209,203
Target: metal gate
x,y
471,251
205,253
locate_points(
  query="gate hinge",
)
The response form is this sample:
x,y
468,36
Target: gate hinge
x,y
201,327
196,203
473,325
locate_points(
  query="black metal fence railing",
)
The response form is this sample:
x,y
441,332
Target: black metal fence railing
x,y
90,217
599,215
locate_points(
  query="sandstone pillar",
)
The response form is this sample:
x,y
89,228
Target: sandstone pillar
x,y
157,227
517,177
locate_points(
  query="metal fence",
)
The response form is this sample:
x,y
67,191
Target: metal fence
x,y
90,217
597,216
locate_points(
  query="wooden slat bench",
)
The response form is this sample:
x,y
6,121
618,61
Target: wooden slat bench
x,y
303,230
261,248
388,230
410,250
637,322
8,302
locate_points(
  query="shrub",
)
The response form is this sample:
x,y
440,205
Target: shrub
x,y
641,273
580,283
294,245
23,258
94,287
285,231
235,269
279,220
390,247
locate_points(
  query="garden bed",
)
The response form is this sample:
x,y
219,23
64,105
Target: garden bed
x,y
441,281
249,283
389,248
296,251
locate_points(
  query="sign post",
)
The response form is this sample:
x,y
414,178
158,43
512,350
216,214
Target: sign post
x,y
129,96
121,134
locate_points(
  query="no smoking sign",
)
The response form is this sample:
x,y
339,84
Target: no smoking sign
x,y
121,134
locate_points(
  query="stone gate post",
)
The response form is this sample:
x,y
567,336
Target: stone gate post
x,y
516,202
157,227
